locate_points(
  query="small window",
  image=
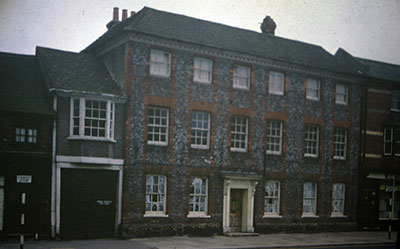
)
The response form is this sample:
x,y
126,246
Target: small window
x,y
92,118
388,141
340,144
313,89
198,196
276,83
272,198
200,132
23,135
202,70
160,63
156,187
239,133
241,77
338,190
157,126
311,140
310,199
341,94
396,101
274,137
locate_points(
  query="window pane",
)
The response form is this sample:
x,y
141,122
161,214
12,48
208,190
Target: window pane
x,y
202,70
198,197
200,129
157,126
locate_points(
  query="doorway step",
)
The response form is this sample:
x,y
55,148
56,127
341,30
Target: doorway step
x,y
239,234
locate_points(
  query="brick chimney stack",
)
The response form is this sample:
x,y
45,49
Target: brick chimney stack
x,y
124,14
115,14
132,13
268,26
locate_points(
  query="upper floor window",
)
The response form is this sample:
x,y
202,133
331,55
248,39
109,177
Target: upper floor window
x,y
200,132
198,196
338,190
311,140
313,88
156,191
274,137
310,199
391,141
202,70
239,133
160,63
92,118
276,83
241,77
23,135
340,144
396,101
272,198
157,126
342,93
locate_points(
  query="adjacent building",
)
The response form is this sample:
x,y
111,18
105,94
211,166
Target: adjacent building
x,y
230,130
379,175
26,121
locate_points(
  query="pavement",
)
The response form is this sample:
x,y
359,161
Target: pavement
x,y
280,240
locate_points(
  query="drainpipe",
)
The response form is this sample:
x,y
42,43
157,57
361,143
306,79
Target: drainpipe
x,y
53,171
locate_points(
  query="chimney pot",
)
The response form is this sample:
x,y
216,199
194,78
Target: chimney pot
x,y
124,14
268,26
132,13
115,14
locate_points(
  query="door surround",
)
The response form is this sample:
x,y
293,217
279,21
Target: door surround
x,y
247,182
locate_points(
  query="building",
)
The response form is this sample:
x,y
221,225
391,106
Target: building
x,y
230,130
88,145
26,120
379,196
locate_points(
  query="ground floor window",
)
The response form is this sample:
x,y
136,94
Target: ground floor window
x,y
310,199
1,202
198,196
388,208
271,201
338,191
156,186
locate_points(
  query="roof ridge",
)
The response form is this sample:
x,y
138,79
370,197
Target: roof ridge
x,y
229,26
379,62
2,53
57,50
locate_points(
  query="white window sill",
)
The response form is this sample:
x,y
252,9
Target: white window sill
x,y
394,110
157,143
155,215
238,150
341,103
274,153
310,155
276,93
160,76
272,216
388,219
198,215
338,215
339,158
201,147
202,82
312,99
241,88
309,216
86,138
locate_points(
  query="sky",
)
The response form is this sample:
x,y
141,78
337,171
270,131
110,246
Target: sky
x,y
365,28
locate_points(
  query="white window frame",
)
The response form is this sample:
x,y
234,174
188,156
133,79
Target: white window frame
x,y
198,195
199,70
276,197
236,124
158,195
309,89
308,142
278,134
20,135
200,130
341,199
160,126
314,199
238,77
345,94
395,101
396,141
276,83
109,122
158,66
338,144
385,141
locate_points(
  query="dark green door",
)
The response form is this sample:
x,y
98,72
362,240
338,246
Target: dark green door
x,y
88,203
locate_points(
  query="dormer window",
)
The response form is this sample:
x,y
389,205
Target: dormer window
x,y
92,119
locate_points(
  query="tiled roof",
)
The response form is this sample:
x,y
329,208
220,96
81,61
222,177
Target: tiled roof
x,y
188,29
76,71
22,87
